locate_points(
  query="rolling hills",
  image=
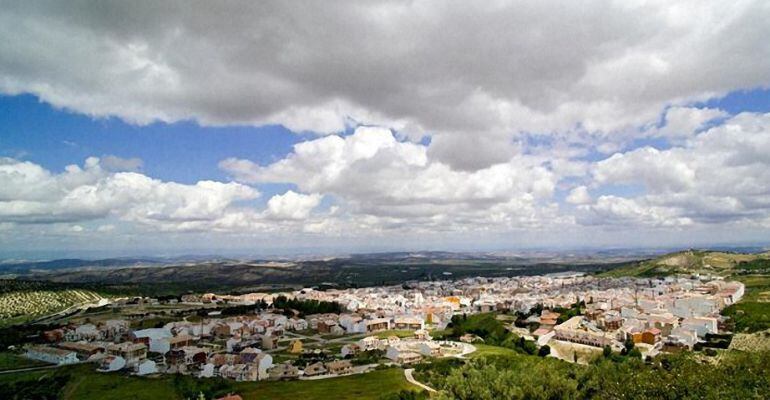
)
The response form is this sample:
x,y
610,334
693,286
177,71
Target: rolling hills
x,y
718,263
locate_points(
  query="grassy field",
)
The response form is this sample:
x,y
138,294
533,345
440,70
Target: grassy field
x,y
372,385
397,333
10,361
485,350
94,385
82,382
752,313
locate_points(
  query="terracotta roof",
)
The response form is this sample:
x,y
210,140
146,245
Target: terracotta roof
x,y
230,397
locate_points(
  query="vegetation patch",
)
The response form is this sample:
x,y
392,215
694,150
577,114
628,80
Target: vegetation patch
x,y
22,301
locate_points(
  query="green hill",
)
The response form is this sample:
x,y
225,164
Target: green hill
x,y
694,261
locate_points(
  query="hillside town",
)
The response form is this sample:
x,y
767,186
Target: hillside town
x,y
395,325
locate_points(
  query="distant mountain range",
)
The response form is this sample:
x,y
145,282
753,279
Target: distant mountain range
x,y
76,269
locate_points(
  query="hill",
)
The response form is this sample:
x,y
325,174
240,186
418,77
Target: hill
x,y
719,263
356,271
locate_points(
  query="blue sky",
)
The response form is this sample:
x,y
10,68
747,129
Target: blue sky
x,y
120,135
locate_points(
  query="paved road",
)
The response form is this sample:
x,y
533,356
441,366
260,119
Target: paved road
x,y
359,369
410,378
13,371
42,367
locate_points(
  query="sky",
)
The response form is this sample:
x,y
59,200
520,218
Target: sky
x,y
147,128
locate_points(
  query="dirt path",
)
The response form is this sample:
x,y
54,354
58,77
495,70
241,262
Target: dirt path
x,y
410,378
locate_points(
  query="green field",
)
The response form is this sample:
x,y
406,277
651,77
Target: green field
x,y
10,361
397,333
373,385
82,382
485,350
752,313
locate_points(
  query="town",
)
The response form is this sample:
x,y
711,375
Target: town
x,y
269,339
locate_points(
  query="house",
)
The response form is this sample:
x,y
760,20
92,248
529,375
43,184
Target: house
x,y
325,326
207,371
83,349
295,347
408,323
231,344
541,332
296,324
131,352
352,323
88,332
114,328
402,356
369,343
230,397
263,363
53,335
112,363
651,336
682,337
239,372
337,330
269,342
225,359
377,324
179,341
249,354
283,371
429,349
349,350
579,330
549,318
315,369
422,334
52,355
188,355
701,325
339,367
221,330
146,367
157,339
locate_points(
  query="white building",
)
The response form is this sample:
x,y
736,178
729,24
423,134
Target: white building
x,y
146,367
52,355
158,338
112,363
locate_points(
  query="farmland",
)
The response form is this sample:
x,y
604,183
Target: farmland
x,y
22,301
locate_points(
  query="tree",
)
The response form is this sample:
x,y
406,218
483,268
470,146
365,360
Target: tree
x,y
635,353
544,351
607,351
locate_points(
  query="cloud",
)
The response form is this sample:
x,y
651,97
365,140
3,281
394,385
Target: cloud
x,y
474,77
684,122
613,210
32,194
105,228
396,183
721,175
292,205
579,195
114,163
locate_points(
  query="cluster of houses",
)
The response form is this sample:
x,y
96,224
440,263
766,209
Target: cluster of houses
x,y
237,348
670,314
667,314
